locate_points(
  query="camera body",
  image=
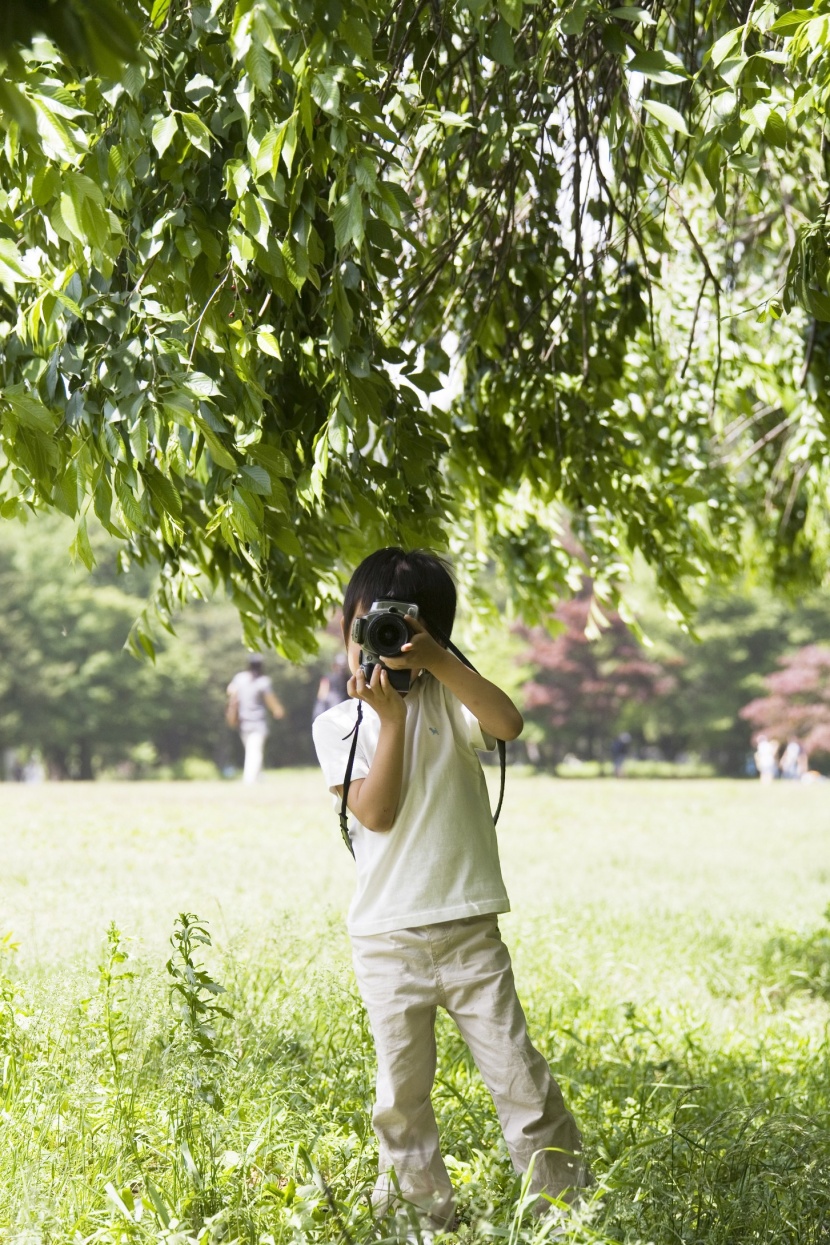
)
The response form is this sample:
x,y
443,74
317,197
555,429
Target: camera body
x,y
382,633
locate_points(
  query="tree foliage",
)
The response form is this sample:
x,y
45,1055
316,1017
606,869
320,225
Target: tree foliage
x,y
585,687
797,704
236,269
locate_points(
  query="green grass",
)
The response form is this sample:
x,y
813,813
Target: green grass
x,y
670,947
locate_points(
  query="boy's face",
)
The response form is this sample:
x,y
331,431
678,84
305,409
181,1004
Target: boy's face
x,y
353,648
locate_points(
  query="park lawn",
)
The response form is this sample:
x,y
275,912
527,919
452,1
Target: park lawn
x,y
670,946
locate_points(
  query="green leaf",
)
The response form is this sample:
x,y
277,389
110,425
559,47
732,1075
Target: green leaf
x,y
427,382
163,493
158,12
257,480
255,218
573,21
29,411
358,36
775,130
658,66
295,259
710,155
81,548
113,36
789,22
669,116
289,144
70,489
258,65
16,106
501,44
196,130
221,456
325,92
11,266
45,185
272,459
164,131
818,304
659,151
631,13
511,11
129,506
140,439
722,47
347,219
268,343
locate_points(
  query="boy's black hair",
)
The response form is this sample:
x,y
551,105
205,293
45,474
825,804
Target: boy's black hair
x,y
419,577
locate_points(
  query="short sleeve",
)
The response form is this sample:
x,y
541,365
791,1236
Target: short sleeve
x,y
328,731
479,739
265,685
466,723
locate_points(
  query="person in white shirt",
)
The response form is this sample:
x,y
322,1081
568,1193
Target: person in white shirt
x,y
424,918
250,699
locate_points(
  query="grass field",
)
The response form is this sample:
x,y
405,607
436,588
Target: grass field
x,y
670,945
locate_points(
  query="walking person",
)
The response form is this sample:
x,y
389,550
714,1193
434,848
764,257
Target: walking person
x,y
766,758
424,919
250,699
794,761
619,751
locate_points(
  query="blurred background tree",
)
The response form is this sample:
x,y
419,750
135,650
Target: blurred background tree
x,y
589,685
70,690
797,704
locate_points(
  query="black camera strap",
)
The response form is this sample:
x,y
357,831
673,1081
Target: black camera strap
x,y
347,780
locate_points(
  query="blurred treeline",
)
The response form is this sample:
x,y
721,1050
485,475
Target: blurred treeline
x,y
678,696
71,693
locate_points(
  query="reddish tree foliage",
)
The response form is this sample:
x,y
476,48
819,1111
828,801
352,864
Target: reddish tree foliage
x,y
798,703
582,686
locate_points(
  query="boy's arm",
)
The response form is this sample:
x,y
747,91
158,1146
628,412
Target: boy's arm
x,y
494,709
374,799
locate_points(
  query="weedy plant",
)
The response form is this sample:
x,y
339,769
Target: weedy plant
x,y
197,1064
14,1020
114,979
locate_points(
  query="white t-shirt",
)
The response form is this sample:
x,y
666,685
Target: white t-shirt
x,y
440,860
250,690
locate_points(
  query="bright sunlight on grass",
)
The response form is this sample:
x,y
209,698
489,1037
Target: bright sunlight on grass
x,y
670,946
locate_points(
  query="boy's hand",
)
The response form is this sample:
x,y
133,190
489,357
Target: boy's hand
x,y
421,653
386,701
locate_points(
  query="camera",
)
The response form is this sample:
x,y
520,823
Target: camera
x,y
382,633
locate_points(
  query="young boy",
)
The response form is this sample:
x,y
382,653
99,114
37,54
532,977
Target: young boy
x,y
423,921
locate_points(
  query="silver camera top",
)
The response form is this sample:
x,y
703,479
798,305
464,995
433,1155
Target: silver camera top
x,y
394,607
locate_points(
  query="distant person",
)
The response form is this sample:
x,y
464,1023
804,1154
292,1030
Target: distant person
x,y
619,751
794,761
250,698
766,758
333,687
33,770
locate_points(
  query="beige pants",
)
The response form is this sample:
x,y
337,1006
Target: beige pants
x,y
463,966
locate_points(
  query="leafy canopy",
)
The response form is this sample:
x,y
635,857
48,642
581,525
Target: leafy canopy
x,y
239,254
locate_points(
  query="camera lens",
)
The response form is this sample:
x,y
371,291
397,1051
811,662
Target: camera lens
x,y
387,634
